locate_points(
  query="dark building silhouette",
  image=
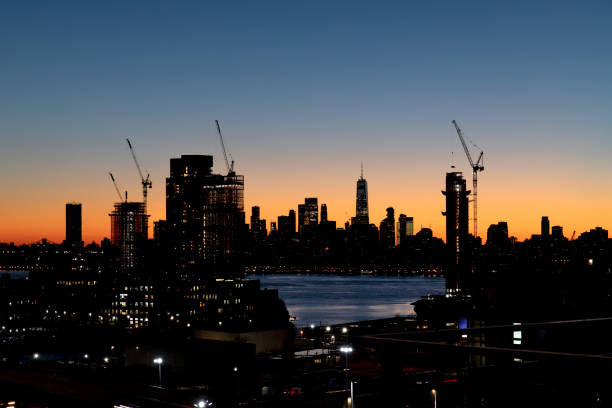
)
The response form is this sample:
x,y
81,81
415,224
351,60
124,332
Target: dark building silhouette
x,y
308,218
160,233
129,233
258,226
456,232
557,232
286,225
74,224
545,227
402,222
405,228
300,217
255,213
362,213
311,211
387,229
497,234
323,213
292,222
205,217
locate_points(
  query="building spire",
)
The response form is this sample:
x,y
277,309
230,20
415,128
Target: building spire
x,y
362,170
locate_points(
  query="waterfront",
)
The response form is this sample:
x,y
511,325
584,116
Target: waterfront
x,y
332,299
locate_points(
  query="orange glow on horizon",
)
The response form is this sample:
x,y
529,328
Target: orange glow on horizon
x,y
35,219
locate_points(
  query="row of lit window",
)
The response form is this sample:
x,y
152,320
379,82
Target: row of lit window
x,y
132,304
24,302
76,283
128,312
138,288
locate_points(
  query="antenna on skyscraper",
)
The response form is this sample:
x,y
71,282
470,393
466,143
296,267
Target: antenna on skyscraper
x,y
362,169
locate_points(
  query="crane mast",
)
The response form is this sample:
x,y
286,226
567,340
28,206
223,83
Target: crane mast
x,y
146,182
230,168
476,167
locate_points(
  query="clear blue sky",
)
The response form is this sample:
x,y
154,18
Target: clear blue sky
x,y
304,92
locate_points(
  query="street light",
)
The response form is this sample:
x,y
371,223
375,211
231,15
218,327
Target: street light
x,y
435,397
159,362
347,350
36,355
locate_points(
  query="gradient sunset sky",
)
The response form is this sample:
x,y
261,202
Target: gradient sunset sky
x,y
304,92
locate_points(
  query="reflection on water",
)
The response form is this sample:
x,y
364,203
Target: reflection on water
x,y
15,273
332,299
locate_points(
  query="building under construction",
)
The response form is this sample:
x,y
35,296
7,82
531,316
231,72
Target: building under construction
x,y
456,232
129,233
205,217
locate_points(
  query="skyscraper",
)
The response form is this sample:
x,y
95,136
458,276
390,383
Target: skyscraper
x,y
207,231
456,232
254,215
286,225
387,229
258,226
409,226
311,211
73,224
405,228
545,227
557,232
292,223
497,234
323,213
205,216
300,217
129,233
308,217
362,214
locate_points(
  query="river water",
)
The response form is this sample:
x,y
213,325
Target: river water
x,y
334,299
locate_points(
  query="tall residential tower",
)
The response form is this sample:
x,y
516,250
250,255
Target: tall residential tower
x,y
129,233
205,217
456,232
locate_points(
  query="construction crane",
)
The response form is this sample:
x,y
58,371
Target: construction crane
x,y
117,188
476,167
230,167
573,235
146,182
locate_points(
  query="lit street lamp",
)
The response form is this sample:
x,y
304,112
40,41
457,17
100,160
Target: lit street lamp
x,y
159,362
347,350
435,397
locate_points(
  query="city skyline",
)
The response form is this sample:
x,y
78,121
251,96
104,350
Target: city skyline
x,y
103,231
528,84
